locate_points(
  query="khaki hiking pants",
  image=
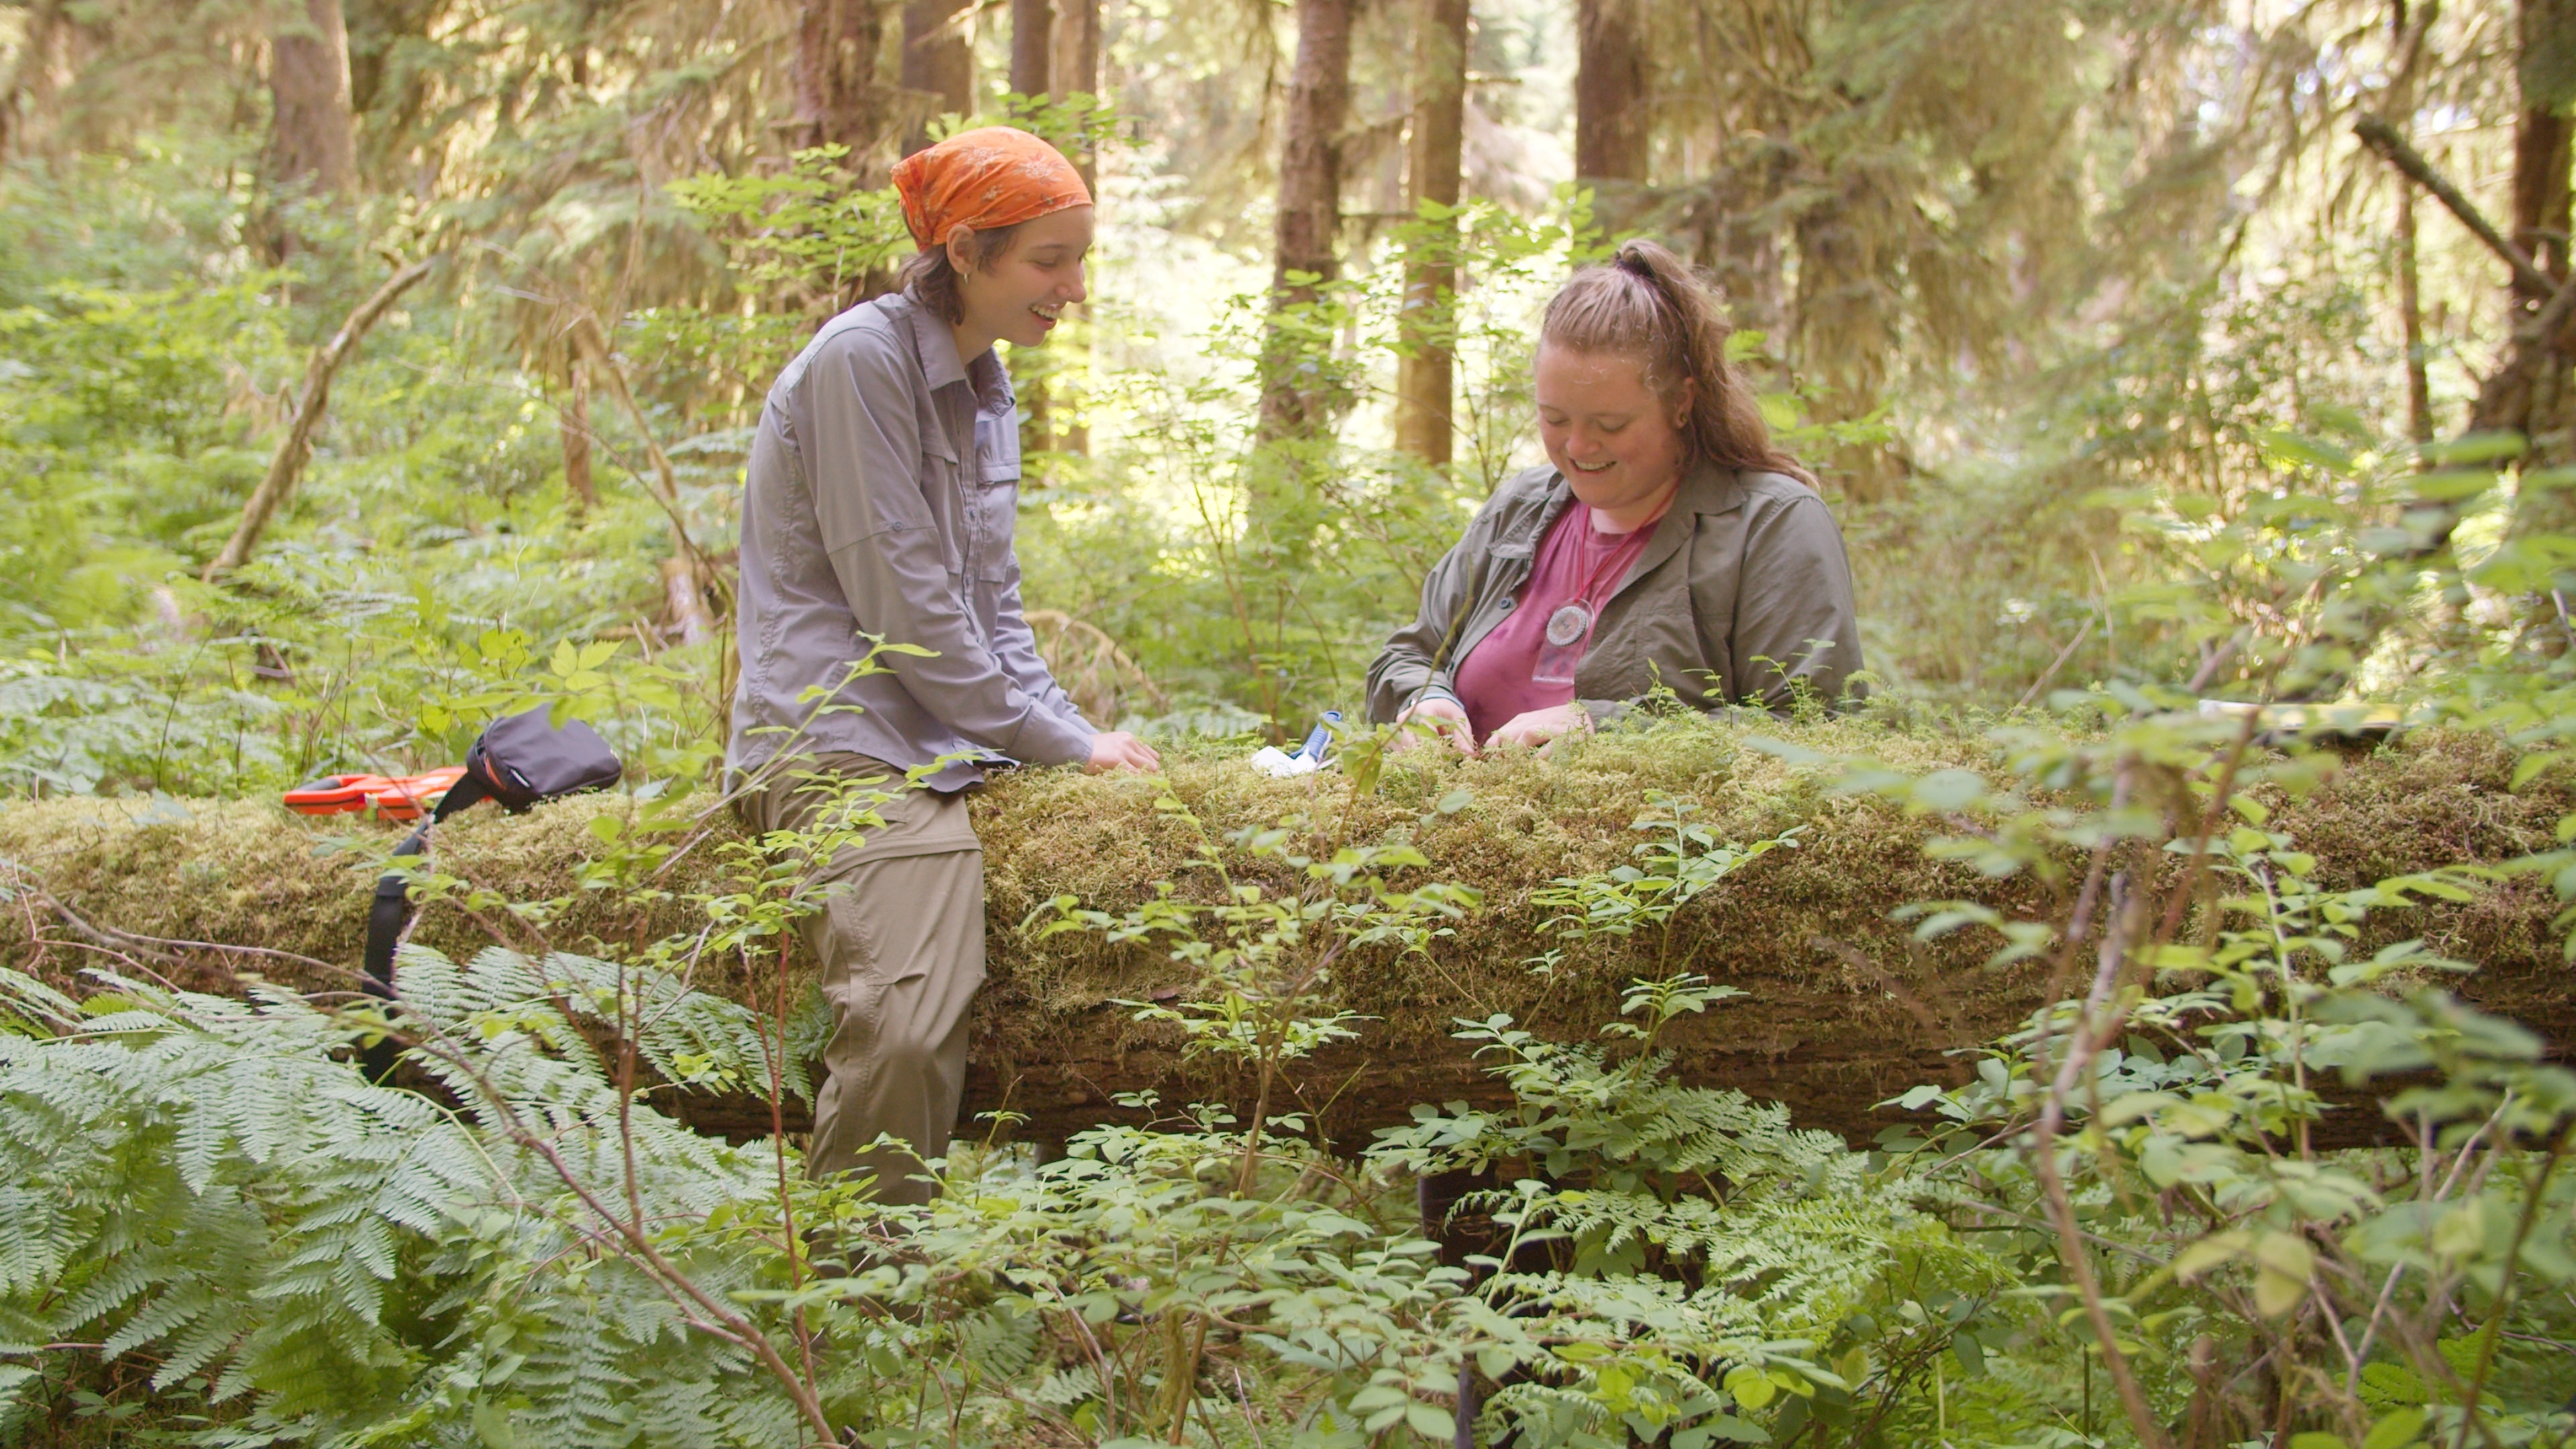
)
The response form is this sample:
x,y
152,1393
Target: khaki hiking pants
x,y
901,945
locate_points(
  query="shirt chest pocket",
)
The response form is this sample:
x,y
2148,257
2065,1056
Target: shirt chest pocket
x,y
990,491
994,510
944,488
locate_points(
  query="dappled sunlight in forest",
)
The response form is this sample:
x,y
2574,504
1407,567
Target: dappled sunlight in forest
x,y
1466,956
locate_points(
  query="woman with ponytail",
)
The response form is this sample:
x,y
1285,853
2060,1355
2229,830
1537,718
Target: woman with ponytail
x,y
1666,541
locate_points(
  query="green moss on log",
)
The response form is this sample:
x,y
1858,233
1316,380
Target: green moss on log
x,y
1845,1009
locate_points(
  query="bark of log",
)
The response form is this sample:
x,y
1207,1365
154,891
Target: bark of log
x,y
313,142
938,61
1310,203
1424,385
1612,136
834,75
286,465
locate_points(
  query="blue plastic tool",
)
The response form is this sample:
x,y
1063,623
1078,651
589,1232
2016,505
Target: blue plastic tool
x,y
1322,738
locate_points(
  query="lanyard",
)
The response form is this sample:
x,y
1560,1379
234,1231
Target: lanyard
x,y
1573,619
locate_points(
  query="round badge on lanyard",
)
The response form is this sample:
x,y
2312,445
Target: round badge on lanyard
x,y
1568,624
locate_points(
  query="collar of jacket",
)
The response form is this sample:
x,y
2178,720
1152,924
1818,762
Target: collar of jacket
x,y
936,349
1707,490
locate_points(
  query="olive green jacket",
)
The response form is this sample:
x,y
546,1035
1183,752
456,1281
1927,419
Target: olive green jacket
x,y
1742,596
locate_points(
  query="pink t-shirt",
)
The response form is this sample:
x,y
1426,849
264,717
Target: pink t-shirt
x,y
1574,561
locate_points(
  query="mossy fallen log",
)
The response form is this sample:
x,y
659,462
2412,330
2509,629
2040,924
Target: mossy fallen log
x,y
1844,1008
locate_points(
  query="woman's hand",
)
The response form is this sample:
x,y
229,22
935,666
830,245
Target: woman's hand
x,y
1446,716
1119,750
1539,726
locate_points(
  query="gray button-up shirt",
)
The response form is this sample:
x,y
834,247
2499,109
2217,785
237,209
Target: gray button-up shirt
x,y
883,486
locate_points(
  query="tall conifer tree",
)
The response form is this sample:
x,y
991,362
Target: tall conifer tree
x,y
1424,385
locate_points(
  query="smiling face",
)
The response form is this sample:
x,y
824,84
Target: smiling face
x,y
1019,298
1617,441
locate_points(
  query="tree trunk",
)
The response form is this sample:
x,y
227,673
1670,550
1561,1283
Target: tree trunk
x,y
1611,138
2545,73
2410,308
1844,329
1739,230
1310,204
313,140
1032,67
581,492
1077,73
939,60
835,75
29,83
1032,46
1076,65
1424,387
2406,35
380,85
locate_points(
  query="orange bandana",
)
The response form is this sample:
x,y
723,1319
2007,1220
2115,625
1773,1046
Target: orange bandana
x,y
991,177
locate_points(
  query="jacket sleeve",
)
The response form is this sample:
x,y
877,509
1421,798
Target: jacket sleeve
x,y
1796,627
1418,662
1015,644
862,459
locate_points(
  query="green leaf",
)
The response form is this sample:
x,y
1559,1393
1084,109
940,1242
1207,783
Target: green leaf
x,y
2208,1253
1750,1386
1949,789
1716,1427
2292,450
2396,1431
492,1426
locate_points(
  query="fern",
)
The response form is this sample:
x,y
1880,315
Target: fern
x,y
214,1185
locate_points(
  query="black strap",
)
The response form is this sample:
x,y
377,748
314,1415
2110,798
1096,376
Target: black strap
x,y
385,918
469,788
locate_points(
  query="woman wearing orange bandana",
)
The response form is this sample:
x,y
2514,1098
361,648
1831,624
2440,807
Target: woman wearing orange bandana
x,y
878,505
